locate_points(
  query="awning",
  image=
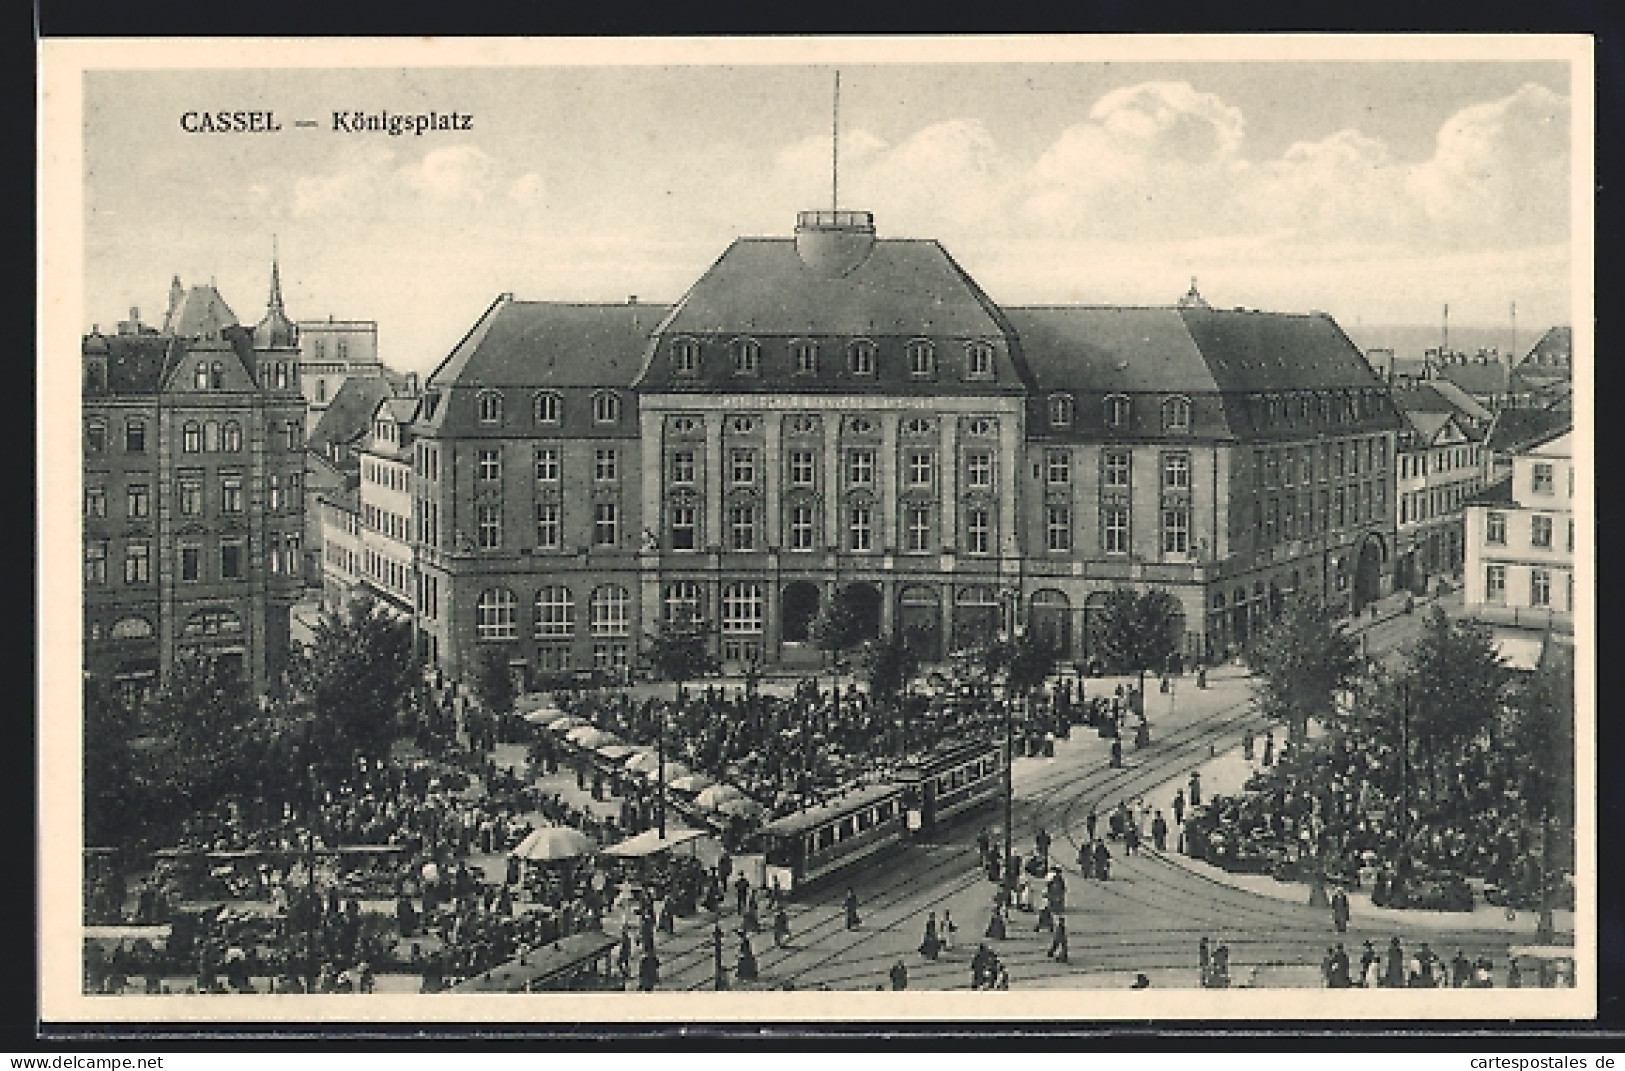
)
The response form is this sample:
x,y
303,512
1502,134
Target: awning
x,y
649,842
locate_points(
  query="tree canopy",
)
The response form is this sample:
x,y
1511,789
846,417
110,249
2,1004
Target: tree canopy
x,y
357,675
1136,631
495,681
838,628
1302,660
1456,683
678,651
891,663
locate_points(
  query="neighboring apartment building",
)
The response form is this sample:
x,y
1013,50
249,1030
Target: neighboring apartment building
x,y
842,413
1520,540
1441,466
193,509
331,352
385,506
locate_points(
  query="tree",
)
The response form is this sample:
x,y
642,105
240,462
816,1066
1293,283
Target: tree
x,y
358,676
111,804
495,681
890,664
1300,663
1542,737
1026,662
838,628
201,728
678,652
1136,631
1457,684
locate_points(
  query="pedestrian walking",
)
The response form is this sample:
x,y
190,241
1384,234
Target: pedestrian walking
x,y
1340,910
1221,966
745,969
1103,861
851,909
648,972
1204,961
742,893
1196,788
1131,838
946,931
995,924
929,944
1090,822
1046,920
1042,842
1057,946
1269,748
1394,974
1179,807
721,972
1159,832
979,965
781,929
899,976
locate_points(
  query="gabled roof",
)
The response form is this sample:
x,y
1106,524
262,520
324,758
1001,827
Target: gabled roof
x,y
1111,348
349,415
550,344
1554,351
1427,426
1519,429
203,313
1486,379
1439,396
138,364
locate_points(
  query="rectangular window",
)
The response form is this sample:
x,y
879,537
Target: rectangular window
x,y
919,469
1117,468
191,563
135,437
1571,533
489,519
490,465
1340,507
1540,531
1495,528
605,464
1289,467
231,561
860,467
95,502
96,561
1495,583
1176,472
683,533
742,466
979,469
917,523
605,524
273,491
1340,460
742,527
547,464
682,467
231,494
977,530
802,468
1115,519
1540,587
549,526
859,527
1176,531
138,500
1057,467
1058,528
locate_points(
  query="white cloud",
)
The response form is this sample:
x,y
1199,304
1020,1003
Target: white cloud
x,y
527,189
454,173
355,183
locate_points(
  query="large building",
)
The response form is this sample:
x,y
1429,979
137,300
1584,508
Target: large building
x,y
330,352
193,511
839,412
1520,540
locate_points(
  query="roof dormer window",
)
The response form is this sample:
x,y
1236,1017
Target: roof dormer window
x,y
1176,414
1060,410
860,357
606,408
489,405
747,355
548,408
922,359
1117,411
804,355
685,357
200,377
217,375
979,361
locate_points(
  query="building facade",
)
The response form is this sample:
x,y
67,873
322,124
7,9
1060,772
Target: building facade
x,y
330,352
1520,541
839,413
1441,467
385,506
193,471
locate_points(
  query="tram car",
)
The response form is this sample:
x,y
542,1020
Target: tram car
x,y
944,784
805,847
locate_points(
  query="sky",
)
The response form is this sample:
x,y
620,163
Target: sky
x,y
1375,191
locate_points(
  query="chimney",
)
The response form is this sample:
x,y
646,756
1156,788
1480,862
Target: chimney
x,y
632,300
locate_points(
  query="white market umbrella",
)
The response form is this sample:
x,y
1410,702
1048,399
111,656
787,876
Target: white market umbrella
x,y
675,771
741,807
643,762
589,737
552,843
539,717
716,795
566,723
693,782
529,701
615,752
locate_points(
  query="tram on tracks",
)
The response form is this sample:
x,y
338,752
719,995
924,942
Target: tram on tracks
x,y
809,846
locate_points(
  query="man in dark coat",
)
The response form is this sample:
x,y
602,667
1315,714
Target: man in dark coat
x,y
899,975
1179,807
851,909
1394,974
1057,945
648,972
1159,832
1103,861
1340,910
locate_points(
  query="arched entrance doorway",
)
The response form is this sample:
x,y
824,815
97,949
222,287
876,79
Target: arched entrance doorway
x,y
1368,571
864,600
1051,620
919,616
976,617
800,602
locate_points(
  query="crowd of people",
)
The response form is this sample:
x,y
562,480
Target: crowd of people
x,y
1338,809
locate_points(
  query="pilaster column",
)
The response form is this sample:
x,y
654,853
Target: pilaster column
x,y
1010,471
886,523
949,535
832,482
773,459
714,478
